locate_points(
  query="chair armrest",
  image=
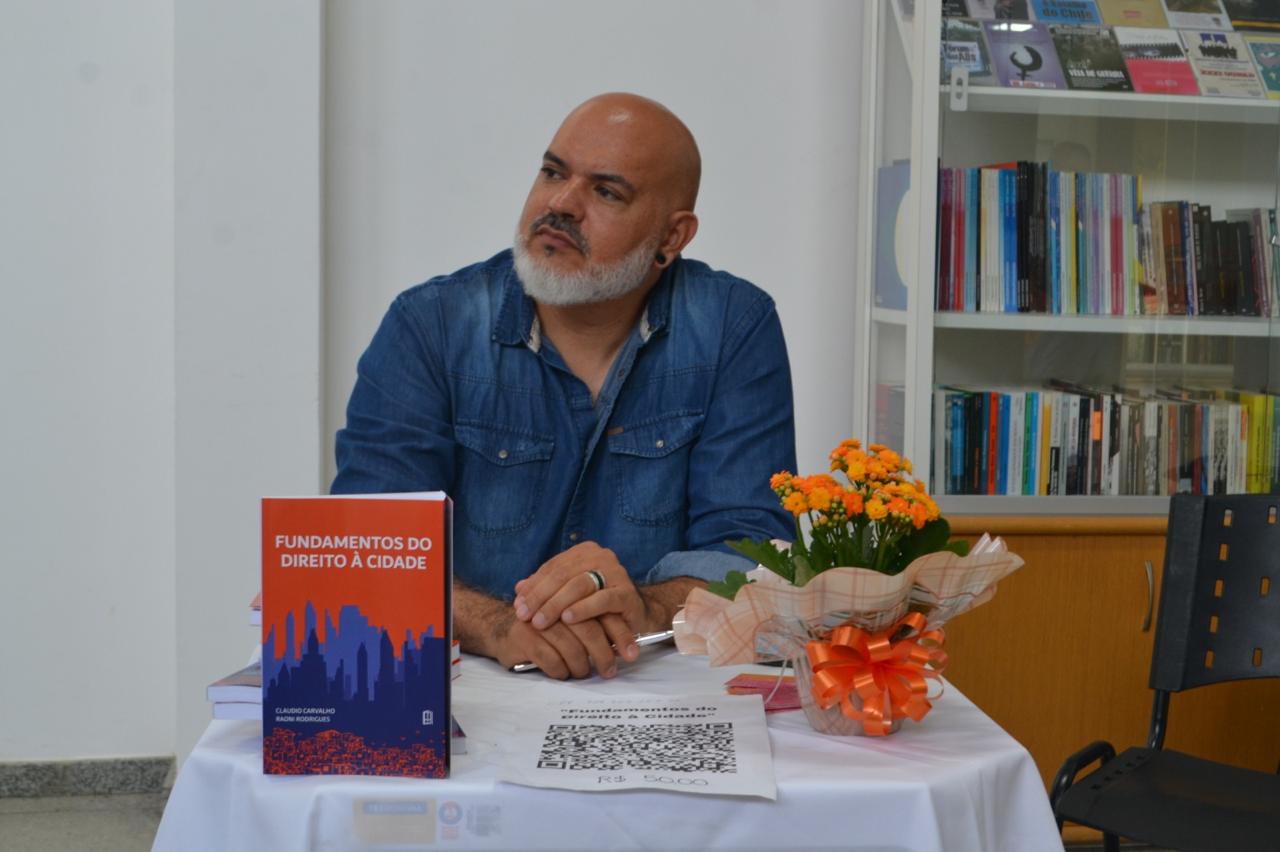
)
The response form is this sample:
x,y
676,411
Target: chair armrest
x,y
1099,750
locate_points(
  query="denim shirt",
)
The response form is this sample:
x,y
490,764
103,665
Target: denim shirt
x,y
459,392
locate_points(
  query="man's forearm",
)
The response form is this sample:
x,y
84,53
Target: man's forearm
x,y
663,600
479,620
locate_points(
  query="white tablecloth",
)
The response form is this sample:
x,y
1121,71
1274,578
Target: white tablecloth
x,y
955,781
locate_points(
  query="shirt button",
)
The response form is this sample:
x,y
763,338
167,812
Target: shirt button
x,y
573,536
659,443
502,454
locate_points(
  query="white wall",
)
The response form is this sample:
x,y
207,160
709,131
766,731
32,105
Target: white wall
x,y
248,138
86,380
437,115
163,197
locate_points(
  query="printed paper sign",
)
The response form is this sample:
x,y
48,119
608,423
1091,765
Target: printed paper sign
x,y
715,744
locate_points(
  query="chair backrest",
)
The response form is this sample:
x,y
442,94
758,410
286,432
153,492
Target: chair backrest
x,y
1220,596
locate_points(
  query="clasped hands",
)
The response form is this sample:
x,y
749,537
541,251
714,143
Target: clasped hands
x,y
568,624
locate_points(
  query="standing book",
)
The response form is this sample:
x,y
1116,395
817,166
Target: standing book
x,y
1132,13
356,630
1156,61
1222,64
1024,56
1067,12
1265,50
965,46
1253,14
1001,10
1196,15
1090,58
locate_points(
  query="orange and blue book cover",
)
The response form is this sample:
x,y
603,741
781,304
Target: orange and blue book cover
x,y
356,631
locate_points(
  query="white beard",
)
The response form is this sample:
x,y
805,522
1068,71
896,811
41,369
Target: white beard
x,y
596,283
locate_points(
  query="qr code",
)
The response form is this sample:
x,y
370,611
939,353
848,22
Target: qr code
x,y
692,747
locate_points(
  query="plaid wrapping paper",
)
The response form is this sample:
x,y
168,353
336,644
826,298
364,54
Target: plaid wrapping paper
x,y
941,585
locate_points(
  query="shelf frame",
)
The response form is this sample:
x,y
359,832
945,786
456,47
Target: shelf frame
x,y
1177,326
1117,105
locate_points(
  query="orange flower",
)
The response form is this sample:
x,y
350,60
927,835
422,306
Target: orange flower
x,y
780,481
919,515
876,509
820,499
795,503
898,506
852,503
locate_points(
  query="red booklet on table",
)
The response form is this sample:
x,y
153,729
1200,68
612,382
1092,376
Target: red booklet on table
x,y
356,630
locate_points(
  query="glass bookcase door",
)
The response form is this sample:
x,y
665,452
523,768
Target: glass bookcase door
x,y
1105,296
891,223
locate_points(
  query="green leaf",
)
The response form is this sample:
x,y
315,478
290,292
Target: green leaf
x,y
766,554
958,546
930,538
804,571
728,588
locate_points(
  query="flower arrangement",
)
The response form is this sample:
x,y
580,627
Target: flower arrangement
x,y
882,519
857,602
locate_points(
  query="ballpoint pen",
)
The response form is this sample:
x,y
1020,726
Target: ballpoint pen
x,y
641,639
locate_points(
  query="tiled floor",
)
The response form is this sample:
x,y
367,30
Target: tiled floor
x,y
74,823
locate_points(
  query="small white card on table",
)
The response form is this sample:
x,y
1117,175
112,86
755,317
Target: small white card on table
x,y
715,744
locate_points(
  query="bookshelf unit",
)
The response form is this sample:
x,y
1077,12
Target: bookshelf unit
x,y
1213,151
1093,563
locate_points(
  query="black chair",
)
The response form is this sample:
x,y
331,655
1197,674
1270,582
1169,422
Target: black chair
x,y
1219,620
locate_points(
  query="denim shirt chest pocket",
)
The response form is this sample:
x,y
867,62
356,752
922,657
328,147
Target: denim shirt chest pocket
x,y
506,469
651,461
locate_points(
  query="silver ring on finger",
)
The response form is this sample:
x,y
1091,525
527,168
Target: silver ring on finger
x,y
597,578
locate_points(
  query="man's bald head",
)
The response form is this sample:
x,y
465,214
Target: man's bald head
x,y
653,132
612,205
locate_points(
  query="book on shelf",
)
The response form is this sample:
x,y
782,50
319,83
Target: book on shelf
x,y
1265,50
1222,64
1156,61
1090,58
999,10
964,45
1023,237
1253,14
1023,55
1133,13
1196,15
1066,439
356,630
1068,12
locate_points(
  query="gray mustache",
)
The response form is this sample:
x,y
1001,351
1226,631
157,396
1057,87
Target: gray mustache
x,y
564,225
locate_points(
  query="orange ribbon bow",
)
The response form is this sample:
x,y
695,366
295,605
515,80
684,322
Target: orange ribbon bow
x,y
888,675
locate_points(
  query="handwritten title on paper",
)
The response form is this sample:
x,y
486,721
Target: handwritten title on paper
x,y
379,552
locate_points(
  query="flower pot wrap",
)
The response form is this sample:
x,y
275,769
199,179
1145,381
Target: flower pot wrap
x,y
865,644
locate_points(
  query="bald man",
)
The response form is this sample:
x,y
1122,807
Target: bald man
x,y
604,412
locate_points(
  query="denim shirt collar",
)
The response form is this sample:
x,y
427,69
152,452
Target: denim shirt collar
x,y
516,321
